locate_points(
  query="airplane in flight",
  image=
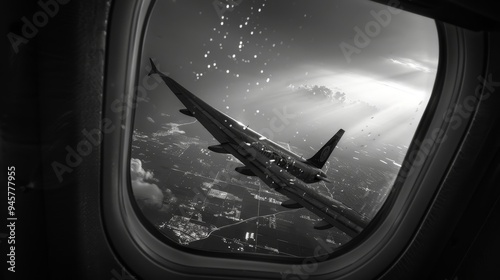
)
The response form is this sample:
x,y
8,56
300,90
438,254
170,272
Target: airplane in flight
x,y
441,221
281,169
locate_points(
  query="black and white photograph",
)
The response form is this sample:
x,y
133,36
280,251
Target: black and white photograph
x,y
250,139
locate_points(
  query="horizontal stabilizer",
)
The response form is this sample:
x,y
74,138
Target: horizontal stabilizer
x,y
186,112
291,204
218,149
245,171
320,158
322,225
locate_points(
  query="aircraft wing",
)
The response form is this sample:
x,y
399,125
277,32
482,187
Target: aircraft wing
x,y
237,139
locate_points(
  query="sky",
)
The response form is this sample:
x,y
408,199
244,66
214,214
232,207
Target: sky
x,y
262,60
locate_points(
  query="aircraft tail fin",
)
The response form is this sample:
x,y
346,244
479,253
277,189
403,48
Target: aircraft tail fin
x,y
154,70
320,158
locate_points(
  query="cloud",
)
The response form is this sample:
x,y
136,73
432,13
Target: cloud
x,y
172,130
413,64
322,92
147,194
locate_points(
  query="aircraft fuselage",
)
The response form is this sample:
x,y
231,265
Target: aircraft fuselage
x,y
262,151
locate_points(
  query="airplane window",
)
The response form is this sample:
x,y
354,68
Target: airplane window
x,y
332,89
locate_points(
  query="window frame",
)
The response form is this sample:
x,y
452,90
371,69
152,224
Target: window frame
x,y
141,247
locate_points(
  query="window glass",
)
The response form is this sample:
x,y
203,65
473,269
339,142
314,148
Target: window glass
x,y
296,72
